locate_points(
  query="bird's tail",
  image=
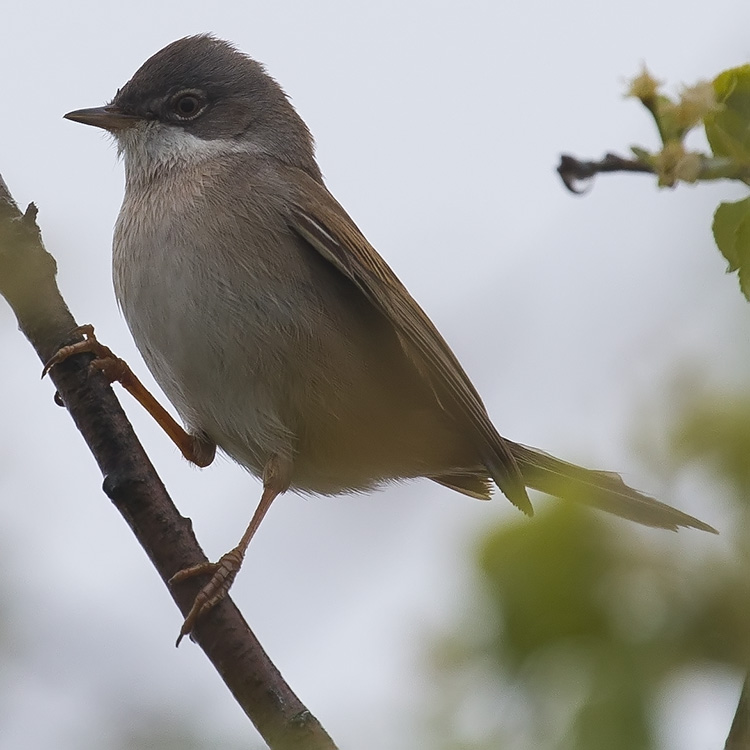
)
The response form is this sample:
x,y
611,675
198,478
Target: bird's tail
x,y
600,489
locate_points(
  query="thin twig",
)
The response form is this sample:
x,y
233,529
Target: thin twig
x,y
27,281
702,168
573,170
739,734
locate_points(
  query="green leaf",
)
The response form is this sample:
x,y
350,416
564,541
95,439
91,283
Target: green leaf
x,y
728,129
742,247
727,219
731,228
542,576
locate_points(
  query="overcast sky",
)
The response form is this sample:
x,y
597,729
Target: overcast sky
x,y
438,127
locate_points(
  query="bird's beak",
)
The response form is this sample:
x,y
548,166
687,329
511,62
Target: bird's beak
x,y
109,117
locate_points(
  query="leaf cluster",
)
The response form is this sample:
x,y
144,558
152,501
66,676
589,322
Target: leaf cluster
x,y
722,108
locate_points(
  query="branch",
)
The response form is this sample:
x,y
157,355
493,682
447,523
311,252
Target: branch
x,y
573,170
739,734
27,281
673,164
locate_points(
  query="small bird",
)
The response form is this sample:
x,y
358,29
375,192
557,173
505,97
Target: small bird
x,y
276,330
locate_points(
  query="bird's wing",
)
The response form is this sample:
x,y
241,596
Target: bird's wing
x,y
320,220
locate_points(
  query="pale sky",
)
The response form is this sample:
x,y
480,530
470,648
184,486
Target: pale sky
x,y
438,126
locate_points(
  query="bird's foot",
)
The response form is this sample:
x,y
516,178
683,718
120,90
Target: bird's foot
x,y
196,448
223,573
105,360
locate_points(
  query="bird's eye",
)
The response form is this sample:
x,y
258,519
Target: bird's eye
x,y
187,105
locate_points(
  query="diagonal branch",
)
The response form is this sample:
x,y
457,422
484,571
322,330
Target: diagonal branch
x,y
27,281
739,734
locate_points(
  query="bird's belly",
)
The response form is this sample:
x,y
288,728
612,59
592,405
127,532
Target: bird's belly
x,y
319,403
282,358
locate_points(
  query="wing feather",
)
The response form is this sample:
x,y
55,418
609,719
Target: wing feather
x,y
320,220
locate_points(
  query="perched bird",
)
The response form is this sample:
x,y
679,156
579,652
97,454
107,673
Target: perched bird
x,y
274,327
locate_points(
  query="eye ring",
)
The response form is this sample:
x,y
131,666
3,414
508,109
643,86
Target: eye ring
x,y
188,104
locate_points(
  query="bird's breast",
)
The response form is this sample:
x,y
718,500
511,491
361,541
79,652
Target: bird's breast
x,y
219,307
263,345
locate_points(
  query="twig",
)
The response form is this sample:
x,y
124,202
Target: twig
x,y
27,281
739,734
573,170
702,168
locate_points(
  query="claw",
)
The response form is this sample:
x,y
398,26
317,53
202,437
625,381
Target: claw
x,y
90,345
196,448
223,574
275,481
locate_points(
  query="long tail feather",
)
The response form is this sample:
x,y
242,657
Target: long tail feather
x,y
601,489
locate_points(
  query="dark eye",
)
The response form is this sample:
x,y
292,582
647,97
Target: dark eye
x,y
187,105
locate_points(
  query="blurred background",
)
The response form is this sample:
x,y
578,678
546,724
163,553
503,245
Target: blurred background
x,y
602,329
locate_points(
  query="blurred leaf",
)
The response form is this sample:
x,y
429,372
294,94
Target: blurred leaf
x,y
727,220
731,228
542,578
715,429
589,622
616,716
728,128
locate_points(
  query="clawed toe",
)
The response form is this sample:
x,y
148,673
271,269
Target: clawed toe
x,y
196,448
89,344
222,573
106,361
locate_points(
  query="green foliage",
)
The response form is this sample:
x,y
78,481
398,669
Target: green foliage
x,y
551,583
731,228
728,133
588,622
714,430
532,591
728,126
723,108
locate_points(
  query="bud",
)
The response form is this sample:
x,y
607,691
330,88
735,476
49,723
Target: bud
x,y
644,86
695,103
673,163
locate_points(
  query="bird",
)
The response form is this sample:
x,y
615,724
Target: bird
x,y
274,327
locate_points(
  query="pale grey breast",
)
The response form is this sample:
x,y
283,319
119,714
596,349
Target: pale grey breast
x,y
270,350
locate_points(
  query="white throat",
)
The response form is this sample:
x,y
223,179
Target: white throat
x,y
151,149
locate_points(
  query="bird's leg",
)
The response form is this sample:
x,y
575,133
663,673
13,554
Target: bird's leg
x,y
195,448
276,478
